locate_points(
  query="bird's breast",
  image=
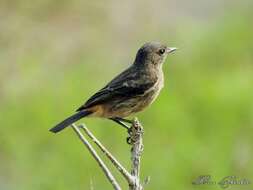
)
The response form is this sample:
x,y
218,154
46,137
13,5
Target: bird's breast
x,y
150,96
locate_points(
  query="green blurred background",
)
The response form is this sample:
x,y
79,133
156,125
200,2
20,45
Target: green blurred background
x,y
55,54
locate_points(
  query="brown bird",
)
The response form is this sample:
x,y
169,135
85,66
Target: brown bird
x,y
129,92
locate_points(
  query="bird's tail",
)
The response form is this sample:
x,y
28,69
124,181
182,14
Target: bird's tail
x,y
65,123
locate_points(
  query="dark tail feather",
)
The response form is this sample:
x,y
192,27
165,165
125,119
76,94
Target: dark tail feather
x,y
69,121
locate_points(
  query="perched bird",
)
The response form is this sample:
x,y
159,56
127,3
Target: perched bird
x,y
129,92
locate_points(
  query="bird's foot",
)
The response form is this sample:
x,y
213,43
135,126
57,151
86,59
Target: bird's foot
x,y
135,131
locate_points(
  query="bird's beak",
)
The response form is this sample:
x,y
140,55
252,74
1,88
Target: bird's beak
x,y
170,49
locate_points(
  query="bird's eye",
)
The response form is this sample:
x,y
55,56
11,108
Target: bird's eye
x,y
161,51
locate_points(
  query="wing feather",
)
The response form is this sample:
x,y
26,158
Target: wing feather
x,y
128,84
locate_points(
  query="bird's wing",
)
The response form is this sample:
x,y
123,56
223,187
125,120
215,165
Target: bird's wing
x,y
126,85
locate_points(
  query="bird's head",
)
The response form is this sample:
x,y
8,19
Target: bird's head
x,y
153,53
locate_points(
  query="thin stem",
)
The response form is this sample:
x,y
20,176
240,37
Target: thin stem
x,y
115,162
101,164
137,148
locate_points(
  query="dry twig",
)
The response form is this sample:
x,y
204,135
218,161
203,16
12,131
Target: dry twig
x,y
97,158
135,139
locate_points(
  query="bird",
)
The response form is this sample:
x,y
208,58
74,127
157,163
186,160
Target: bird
x,y
130,92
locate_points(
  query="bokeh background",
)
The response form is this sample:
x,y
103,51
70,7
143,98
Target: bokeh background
x,y
55,54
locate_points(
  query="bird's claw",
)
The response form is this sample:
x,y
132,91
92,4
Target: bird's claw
x,y
129,140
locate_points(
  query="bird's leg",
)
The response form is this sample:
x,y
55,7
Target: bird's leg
x,y
125,126
120,123
124,120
